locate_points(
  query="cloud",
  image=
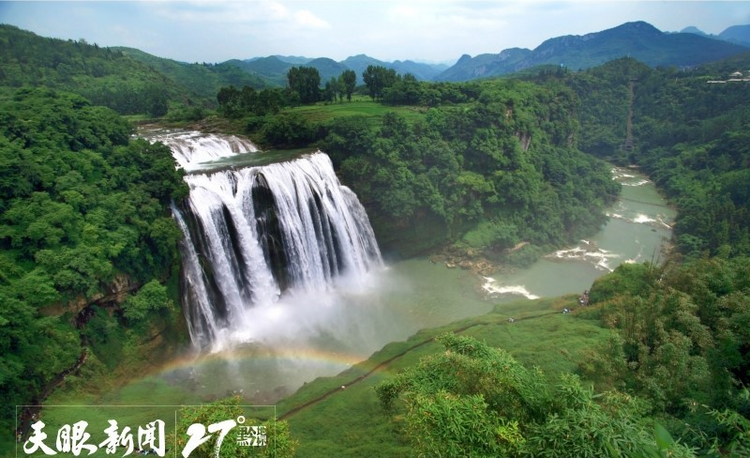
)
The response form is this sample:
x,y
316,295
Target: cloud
x,y
306,18
220,12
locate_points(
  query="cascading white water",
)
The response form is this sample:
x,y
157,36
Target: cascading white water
x,y
256,235
193,150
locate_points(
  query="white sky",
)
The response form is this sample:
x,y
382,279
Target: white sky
x,y
427,30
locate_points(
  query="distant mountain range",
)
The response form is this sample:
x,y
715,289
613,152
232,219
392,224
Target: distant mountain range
x,y
639,40
275,68
97,73
739,34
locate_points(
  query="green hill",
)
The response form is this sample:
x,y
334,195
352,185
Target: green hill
x,y
272,69
203,79
104,76
340,416
328,68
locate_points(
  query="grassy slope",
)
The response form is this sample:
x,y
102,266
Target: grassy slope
x,y
359,106
331,421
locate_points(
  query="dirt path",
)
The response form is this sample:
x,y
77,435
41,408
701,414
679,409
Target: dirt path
x,y
388,361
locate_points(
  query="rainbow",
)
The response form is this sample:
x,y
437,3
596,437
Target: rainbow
x,y
292,354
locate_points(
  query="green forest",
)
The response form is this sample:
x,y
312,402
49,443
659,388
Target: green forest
x,y
84,211
90,266
482,165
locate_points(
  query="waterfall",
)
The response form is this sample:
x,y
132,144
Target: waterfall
x,y
194,149
255,235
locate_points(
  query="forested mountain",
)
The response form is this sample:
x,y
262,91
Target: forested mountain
x,y
360,62
203,79
328,68
104,76
275,68
423,72
294,60
485,65
272,68
636,39
737,34
695,30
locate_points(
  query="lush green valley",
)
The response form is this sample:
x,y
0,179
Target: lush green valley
x,y
656,365
688,134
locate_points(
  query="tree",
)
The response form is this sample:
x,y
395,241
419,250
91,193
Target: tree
x,y
378,79
332,90
305,81
474,400
89,205
405,91
150,300
348,81
682,341
229,101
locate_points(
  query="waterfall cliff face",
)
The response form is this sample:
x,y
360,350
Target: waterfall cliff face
x,y
258,234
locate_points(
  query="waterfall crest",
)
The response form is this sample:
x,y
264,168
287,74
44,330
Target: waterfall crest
x,y
193,150
255,235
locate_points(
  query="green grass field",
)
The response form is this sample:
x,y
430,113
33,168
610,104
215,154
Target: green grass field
x,y
359,106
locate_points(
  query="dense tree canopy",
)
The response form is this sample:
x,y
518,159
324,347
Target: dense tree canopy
x,y
305,81
688,134
475,401
80,203
502,168
377,79
104,76
683,344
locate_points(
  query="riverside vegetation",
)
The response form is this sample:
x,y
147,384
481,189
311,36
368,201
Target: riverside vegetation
x,y
480,166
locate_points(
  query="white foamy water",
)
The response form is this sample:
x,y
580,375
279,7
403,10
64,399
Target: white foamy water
x,y
628,179
643,219
277,239
634,183
193,150
587,252
492,289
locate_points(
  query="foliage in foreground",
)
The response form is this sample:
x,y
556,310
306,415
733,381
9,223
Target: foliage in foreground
x,y
474,400
683,344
